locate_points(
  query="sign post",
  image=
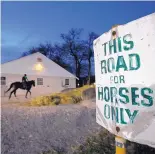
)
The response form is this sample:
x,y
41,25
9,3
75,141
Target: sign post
x,y
120,145
125,82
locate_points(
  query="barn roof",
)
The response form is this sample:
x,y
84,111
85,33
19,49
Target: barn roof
x,y
29,65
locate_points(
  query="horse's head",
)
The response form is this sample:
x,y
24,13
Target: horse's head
x,y
33,83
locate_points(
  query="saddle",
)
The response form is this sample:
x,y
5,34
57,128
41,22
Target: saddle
x,y
24,85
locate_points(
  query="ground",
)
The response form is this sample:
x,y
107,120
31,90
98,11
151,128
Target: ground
x,y
31,130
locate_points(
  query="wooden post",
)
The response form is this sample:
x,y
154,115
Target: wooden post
x,y
120,143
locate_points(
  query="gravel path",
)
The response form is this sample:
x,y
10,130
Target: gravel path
x,y
32,130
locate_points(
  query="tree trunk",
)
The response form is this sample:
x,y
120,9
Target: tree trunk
x,y
77,67
78,70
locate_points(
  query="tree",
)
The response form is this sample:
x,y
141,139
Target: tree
x,y
73,46
60,58
89,54
45,49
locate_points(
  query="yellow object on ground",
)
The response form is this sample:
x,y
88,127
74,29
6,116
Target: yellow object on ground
x,y
120,145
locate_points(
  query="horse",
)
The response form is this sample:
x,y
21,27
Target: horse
x,y
17,85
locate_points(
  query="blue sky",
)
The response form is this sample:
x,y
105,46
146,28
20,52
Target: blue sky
x,y
26,24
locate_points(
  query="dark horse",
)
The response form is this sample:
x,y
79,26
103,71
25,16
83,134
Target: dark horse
x,y
17,85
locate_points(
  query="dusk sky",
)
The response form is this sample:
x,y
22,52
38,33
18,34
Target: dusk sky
x,y
26,24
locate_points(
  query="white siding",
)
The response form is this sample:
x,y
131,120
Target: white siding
x,y
50,84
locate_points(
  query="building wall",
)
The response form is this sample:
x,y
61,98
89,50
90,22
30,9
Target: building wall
x,y
50,84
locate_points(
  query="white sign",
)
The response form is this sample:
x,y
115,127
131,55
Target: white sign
x,y
125,80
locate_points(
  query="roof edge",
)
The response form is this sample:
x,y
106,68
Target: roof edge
x,y
41,55
20,58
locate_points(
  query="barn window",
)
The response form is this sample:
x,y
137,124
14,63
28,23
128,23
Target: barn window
x,y
39,81
3,80
67,82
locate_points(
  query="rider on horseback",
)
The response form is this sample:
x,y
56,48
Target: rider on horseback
x,y
24,81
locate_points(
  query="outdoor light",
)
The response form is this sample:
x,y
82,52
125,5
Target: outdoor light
x,y
38,67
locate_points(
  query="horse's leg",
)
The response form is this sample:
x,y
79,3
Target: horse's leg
x,y
30,92
11,93
15,92
26,94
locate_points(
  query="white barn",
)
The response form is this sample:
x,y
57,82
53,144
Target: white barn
x,y
49,77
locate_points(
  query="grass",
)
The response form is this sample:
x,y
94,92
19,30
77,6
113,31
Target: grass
x,y
104,143
101,143
53,152
70,97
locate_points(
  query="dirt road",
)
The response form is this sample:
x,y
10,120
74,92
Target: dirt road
x,y
32,130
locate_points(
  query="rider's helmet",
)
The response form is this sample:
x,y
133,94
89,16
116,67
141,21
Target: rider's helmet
x,y
25,75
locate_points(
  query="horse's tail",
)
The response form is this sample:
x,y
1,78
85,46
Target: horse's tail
x,y
9,88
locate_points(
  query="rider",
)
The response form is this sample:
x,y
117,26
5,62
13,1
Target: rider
x,y
24,81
